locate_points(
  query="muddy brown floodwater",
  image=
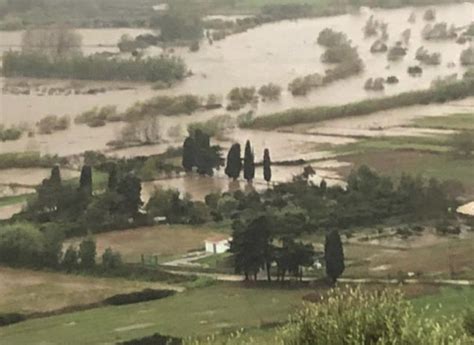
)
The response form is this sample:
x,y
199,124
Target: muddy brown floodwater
x,y
277,53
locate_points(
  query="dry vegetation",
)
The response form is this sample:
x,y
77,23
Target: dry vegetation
x,y
26,291
163,241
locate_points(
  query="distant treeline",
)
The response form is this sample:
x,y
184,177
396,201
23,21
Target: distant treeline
x,y
441,94
163,68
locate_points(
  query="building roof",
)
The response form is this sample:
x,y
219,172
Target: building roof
x,y
467,209
218,238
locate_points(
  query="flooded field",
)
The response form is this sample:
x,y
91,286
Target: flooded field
x,y
241,60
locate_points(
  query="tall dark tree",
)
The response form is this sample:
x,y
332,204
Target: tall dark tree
x,y
251,245
85,181
189,154
55,178
87,253
334,255
129,187
267,166
234,162
249,162
198,152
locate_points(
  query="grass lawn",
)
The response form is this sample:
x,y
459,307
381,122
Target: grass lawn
x,y
27,291
214,309
12,200
438,260
394,163
447,302
165,241
455,121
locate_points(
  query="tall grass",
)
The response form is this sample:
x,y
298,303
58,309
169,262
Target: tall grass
x,y
441,94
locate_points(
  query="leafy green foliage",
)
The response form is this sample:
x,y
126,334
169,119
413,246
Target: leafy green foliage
x,y
334,256
94,67
355,316
234,162
249,162
198,152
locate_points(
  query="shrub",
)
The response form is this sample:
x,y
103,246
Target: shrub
x,y
353,317
241,96
467,57
10,134
111,260
468,322
330,38
11,318
53,123
138,296
155,339
270,92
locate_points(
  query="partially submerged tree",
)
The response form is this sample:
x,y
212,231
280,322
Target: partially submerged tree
x,y
249,162
234,162
267,169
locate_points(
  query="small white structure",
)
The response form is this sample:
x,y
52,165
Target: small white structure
x,y
467,209
217,244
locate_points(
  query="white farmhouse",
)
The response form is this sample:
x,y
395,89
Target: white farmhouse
x,y
217,244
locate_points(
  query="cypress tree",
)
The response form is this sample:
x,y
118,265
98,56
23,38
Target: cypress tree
x,y
85,181
189,154
334,256
249,162
55,178
234,162
267,169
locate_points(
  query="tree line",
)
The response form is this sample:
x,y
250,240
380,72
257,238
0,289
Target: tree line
x,y
95,67
199,155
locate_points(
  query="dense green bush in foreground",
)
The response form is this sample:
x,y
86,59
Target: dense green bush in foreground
x,y
360,317
163,68
441,94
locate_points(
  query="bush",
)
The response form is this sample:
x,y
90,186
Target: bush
x,y
138,296
353,317
94,67
467,57
28,160
11,318
163,105
270,92
155,339
111,260
241,96
52,123
10,134
468,322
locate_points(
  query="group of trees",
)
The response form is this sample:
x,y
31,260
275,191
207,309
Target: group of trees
x,y
41,246
234,165
266,239
198,153
94,67
78,210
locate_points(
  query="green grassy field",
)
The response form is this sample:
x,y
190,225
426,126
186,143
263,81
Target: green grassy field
x,y
214,309
448,302
12,200
165,241
455,122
